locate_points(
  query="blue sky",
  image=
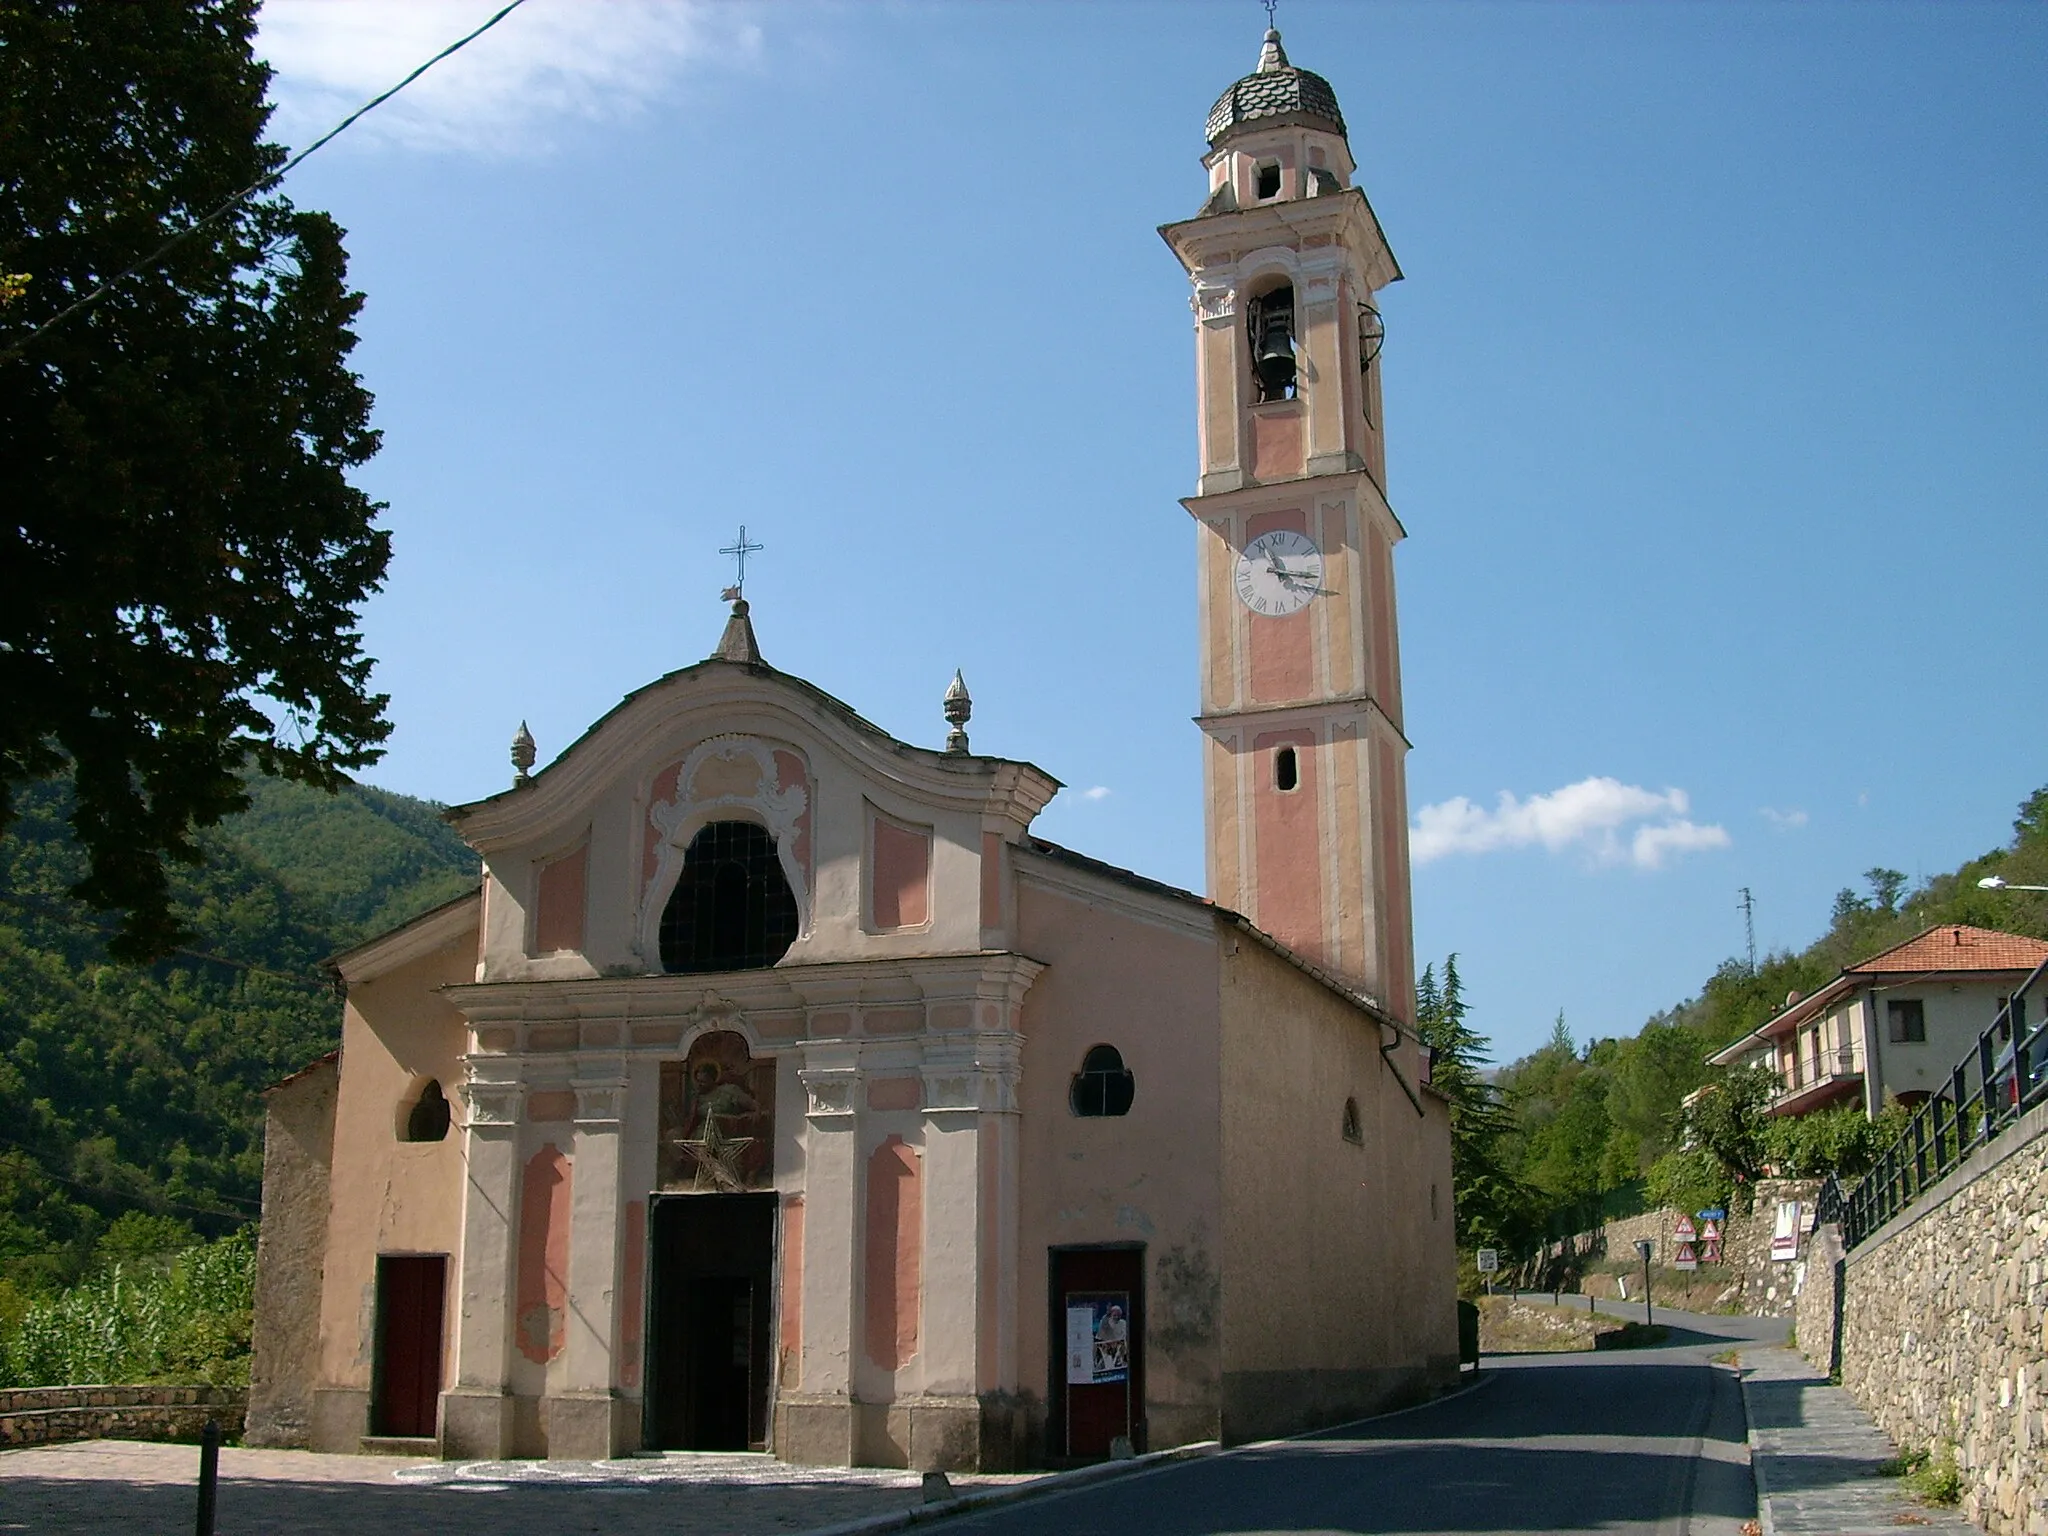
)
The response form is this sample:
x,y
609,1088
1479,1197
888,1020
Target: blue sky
x,y
1715,398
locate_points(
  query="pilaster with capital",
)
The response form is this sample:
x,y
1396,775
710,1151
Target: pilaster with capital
x,y
476,1411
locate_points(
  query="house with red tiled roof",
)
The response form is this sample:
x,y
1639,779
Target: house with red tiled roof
x,y
1894,1024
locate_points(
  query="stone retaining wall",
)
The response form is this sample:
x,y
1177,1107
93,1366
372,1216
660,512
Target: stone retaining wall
x,y
1747,1280
1944,1326
46,1415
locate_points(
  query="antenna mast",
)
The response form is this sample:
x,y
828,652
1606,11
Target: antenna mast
x,y
1748,905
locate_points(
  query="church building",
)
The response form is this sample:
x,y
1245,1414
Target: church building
x,y
780,1089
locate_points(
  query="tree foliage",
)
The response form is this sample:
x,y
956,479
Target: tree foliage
x,y
182,556
1490,1207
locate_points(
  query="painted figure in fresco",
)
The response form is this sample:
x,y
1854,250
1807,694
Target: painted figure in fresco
x,y
717,1118
723,1107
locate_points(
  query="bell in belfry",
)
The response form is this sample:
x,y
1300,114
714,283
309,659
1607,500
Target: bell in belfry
x,y
1274,356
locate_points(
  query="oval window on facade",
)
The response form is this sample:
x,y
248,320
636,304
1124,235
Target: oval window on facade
x,y
429,1117
1103,1086
732,908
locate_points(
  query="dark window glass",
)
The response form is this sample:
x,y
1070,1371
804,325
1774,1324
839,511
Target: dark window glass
x,y
1286,770
429,1118
1102,1086
1269,181
1907,1018
1353,1133
731,909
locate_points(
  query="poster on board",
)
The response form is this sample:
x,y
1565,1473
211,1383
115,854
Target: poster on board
x,y
1098,1337
1785,1231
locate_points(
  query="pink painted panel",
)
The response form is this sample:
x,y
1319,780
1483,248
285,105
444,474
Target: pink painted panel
x,y
1283,667
792,1345
895,1092
789,774
902,862
1289,857
558,914
895,1253
991,880
632,1294
1393,882
543,1254
1276,444
1382,625
556,1104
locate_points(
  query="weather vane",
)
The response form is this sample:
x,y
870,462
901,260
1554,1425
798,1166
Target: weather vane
x,y
739,549
1271,6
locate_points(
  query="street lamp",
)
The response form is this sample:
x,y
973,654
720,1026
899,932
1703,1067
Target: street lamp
x,y
2000,883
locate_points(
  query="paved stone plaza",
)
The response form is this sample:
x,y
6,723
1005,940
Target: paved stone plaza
x,y
109,1485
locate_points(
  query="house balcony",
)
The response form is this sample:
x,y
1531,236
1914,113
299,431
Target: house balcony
x,y
1821,1083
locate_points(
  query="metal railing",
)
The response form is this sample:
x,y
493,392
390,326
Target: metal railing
x,y
2006,1075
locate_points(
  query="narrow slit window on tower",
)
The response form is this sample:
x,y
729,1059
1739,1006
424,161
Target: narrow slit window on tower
x,y
1270,321
732,909
1269,180
1286,770
1103,1086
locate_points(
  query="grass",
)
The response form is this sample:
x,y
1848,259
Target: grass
x,y
1934,1479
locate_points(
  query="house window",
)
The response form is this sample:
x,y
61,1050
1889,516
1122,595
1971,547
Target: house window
x,y
1356,1137
1102,1086
1907,1018
731,909
1269,180
428,1118
1286,769
2014,1019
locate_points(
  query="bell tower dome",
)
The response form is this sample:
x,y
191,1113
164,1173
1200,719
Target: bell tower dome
x,y
1303,758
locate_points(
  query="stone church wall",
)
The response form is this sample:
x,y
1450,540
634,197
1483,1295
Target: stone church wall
x,y
1944,1327
291,1252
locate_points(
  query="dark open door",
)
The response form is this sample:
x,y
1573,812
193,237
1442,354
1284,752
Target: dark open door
x,y
410,1289
1098,1350
710,1322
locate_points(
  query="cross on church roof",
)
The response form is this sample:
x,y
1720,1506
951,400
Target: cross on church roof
x,y
739,549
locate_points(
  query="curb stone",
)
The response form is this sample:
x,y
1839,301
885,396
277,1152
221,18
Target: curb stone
x,y
1757,1458
1104,1471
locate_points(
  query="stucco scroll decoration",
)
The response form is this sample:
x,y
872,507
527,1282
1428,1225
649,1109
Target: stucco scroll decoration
x,y
491,1103
1214,302
714,1011
830,1091
725,778
981,1079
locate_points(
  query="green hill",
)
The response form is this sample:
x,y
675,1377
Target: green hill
x,y
1589,1121
137,1089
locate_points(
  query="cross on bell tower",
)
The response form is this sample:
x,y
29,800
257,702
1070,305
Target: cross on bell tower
x,y
1303,756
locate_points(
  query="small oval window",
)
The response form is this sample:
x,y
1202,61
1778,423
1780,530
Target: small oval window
x,y
1103,1086
1286,769
428,1119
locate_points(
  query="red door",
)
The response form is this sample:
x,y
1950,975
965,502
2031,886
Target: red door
x,y
1098,1350
409,1298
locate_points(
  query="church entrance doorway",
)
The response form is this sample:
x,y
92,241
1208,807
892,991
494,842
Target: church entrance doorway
x,y
1098,1350
709,1324
407,1366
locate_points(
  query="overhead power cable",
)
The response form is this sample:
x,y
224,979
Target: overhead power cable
x,y
261,184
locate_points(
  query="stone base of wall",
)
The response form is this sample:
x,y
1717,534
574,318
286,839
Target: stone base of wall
x,y
50,1415
1944,1335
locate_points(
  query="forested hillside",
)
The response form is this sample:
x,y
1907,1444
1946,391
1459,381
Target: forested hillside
x,y
1581,1125
136,1090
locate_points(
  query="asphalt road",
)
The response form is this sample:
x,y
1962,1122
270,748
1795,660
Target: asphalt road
x,y
1644,1441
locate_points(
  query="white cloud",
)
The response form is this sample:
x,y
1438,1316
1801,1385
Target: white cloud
x,y
1784,821
549,60
1098,792
1591,814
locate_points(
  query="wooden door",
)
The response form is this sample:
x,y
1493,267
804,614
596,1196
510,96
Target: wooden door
x,y
410,1292
1098,1350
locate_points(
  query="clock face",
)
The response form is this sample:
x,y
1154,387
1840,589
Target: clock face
x,y
1279,572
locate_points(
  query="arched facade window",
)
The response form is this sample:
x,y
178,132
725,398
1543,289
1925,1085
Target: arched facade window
x,y
429,1116
1103,1086
732,909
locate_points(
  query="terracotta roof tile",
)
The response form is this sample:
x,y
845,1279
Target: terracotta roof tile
x,y
1957,947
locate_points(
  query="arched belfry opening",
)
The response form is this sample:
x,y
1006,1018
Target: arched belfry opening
x,y
732,908
1269,320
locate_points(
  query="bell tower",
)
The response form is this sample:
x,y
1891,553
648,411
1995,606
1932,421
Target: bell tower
x,y
1303,752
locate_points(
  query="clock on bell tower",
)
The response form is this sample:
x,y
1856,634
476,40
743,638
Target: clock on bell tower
x,y
1303,756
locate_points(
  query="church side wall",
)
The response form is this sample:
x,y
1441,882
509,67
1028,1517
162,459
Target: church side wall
x,y
291,1250
398,1197
1339,1294
1150,1177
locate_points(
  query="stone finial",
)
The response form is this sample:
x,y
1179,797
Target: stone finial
x,y
958,707
738,642
523,755
1271,55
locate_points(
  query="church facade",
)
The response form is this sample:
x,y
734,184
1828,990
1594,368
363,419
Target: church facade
x,y
781,1089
